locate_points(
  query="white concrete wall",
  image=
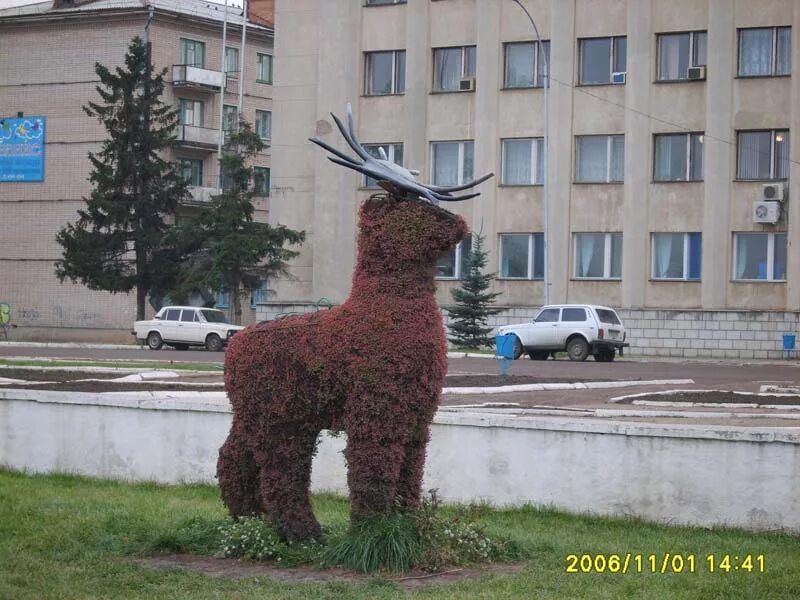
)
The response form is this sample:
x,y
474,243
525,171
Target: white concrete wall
x,y
748,477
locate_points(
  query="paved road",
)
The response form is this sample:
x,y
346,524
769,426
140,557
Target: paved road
x,y
723,374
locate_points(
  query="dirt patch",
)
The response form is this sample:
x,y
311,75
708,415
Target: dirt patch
x,y
54,374
93,387
717,397
228,567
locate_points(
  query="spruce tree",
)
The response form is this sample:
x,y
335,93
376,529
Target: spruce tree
x,y
473,304
117,242
224,247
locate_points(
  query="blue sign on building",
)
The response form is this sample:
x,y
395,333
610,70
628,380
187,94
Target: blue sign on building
x,y
22,149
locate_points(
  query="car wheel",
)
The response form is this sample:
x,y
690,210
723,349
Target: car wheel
x,y
154,341
539,354
610,355
181,346
517,348
577,349
213,343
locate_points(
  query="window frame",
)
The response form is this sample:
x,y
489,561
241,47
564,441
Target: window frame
x,y
536,59
607,255
686,258
774,69
531,270
259,57
182,102
609,140
689,156
611,59
238,64
383,2
463,75
772,153
182,46
461,156
460,259
259,294
368,73
391,149
692,54
256,174
179,160
536,143
258,113
235,125
770,266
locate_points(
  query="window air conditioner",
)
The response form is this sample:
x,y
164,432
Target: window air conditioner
x,y
467,84
696,73
618,77
766,212
773,191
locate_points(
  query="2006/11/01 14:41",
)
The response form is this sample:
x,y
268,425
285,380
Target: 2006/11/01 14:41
x,y
664,563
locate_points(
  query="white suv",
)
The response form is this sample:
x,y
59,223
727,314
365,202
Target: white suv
x,y
184,326
580,329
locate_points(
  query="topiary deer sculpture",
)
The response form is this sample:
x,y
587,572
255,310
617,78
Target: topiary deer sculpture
x,y
372,367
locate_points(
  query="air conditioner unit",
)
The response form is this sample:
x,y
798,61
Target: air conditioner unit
x,y
773,191
467,84
696,73
618,77
766,212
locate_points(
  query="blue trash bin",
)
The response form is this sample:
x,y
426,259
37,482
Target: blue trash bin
x,y
504,346
789,340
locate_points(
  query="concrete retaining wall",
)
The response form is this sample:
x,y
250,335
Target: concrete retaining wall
x,y
666,473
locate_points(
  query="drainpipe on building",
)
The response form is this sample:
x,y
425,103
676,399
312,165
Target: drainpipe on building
x,y
545,179
222,87
242,60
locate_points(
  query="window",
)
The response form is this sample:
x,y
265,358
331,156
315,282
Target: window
x,y
191,112
573,315
264,124
678,157
679,51
230,118
598,255
258,293
521,255
188,316
759,256
450,66
264,68
600,58
172,314
223,301
193,53
394,153
232,61
385,73
522,161
452,162
383,2
191,170
548,315
599,158
523,59
765,51
677,255
453,265
763,154
261,181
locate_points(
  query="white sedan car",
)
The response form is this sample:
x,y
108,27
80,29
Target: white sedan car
x,y
184,326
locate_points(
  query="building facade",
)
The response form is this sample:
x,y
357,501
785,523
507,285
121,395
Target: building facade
x,y
669,131
47,69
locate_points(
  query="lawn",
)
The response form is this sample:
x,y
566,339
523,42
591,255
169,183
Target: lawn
x,y
70,537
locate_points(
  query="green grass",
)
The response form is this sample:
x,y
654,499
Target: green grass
x,y
74,538
114,364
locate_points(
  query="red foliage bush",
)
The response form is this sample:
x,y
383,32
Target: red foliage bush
x,y
372,367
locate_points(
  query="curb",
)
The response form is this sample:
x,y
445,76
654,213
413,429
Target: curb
x,y
541,387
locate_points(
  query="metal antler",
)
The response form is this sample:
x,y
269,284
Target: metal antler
x,y
391,177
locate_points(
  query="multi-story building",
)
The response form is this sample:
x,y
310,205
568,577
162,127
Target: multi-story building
x,y
668,141
48,53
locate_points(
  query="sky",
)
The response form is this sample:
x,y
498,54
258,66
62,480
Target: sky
x,y
9,3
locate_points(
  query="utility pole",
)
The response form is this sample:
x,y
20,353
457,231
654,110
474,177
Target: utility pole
x,y
222,87
141,259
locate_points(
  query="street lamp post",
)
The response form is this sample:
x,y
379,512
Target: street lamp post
x,y
545,183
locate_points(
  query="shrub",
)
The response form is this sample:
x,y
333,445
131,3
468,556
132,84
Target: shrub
x,y
253,538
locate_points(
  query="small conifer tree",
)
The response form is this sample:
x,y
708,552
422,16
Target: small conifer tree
x,y
473,304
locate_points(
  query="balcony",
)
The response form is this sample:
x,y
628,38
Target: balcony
x,y
201,138
197,78
202,195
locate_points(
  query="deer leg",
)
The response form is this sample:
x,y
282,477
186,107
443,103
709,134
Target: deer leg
x,y
409,484
373,467
285,478
238,476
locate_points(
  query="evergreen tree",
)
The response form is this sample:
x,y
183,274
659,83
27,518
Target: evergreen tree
x,y
473,304
117,242
224,247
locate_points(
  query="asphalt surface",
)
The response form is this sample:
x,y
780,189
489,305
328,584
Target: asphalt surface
x,y
717,374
